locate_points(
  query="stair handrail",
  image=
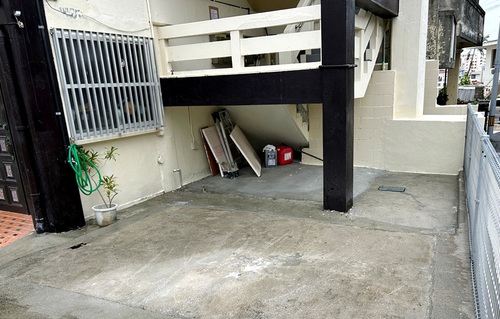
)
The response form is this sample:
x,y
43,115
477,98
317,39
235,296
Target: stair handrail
x,y
302,3
292,57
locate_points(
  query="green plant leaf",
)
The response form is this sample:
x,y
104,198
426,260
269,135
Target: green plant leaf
x,y
111,153
107,182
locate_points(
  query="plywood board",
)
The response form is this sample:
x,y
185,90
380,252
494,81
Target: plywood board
x,y
246,149
214,169
210,134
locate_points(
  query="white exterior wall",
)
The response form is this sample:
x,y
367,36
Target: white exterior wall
x,y
144,167
432,144
409,40
192,163
136,169
128,17
427,144
391,131
168,12
371,115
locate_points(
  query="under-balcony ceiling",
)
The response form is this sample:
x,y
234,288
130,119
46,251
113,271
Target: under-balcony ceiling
x,y
383,8
266,5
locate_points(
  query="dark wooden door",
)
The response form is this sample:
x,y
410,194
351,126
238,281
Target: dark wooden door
x,y
33,106
11,191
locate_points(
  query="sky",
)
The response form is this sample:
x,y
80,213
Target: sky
x,y
492,18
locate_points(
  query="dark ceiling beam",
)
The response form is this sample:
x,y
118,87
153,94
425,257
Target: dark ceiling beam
x,y
386,9
290,87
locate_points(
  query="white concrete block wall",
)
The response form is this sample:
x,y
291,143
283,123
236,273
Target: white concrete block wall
x,y
408,56
447,110
371,115
431,144
427,144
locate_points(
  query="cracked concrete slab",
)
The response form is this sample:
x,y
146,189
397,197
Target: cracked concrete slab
x,y
200,254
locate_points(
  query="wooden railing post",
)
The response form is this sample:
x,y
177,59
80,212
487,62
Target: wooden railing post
x,y
165,65
237,59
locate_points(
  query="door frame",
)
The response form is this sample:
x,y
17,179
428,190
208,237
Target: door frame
x,y
39,133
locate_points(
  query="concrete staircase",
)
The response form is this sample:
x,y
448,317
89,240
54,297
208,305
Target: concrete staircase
x,y
295,120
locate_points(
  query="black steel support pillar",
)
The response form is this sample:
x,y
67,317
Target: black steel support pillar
x,y
337,27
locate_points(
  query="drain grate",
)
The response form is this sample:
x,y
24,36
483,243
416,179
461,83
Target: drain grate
x,y
392,189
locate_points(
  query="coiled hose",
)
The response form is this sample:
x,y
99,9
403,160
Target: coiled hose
x,y
83,166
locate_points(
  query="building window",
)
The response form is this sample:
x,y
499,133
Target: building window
x,y
110,84
493,58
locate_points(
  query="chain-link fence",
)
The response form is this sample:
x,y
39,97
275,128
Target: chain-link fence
x,y
482,183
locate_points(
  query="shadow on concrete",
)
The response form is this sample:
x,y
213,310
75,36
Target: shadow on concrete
x,y
429,202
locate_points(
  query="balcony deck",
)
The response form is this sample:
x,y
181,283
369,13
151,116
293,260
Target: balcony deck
x,y
194,50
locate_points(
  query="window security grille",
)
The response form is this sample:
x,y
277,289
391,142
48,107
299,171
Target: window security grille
x,y
110,83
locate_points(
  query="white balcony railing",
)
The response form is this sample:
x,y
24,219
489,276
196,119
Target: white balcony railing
x,y
245,37
196,49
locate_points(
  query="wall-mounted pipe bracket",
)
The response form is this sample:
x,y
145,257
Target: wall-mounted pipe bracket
x,y
178,170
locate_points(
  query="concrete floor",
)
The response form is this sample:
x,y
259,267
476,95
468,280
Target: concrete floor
x,y
256,248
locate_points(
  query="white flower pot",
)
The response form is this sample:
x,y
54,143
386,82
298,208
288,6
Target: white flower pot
x,y
104,215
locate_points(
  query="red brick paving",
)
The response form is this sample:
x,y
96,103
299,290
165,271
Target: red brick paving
x,y
14,226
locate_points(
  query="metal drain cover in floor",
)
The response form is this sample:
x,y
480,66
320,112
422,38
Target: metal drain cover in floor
x,y
392,189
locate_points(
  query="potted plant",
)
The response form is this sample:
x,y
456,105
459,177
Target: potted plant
x,y
442,97
86,163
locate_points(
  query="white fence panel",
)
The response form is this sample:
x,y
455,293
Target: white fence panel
x,y
482,183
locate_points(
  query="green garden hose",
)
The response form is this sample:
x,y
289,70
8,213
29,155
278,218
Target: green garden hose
x,y
83,168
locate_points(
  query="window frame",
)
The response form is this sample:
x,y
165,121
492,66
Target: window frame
x,y
109,83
